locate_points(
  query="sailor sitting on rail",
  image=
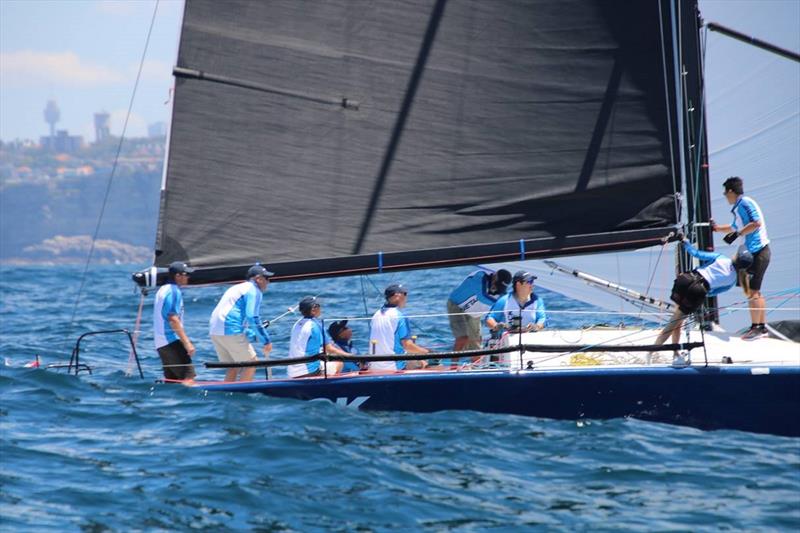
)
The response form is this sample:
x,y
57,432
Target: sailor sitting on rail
x,y
390,332
342,336
520,302
308,338
716,274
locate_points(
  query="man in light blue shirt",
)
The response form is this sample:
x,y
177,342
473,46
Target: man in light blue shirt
x,y
522,303
748,221
172,343
470,301
236,319
308,338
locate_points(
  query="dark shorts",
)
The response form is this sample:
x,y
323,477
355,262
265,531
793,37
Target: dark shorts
x,y
759,266
689,291
176,362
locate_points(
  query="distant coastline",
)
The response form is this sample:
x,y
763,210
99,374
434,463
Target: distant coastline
x,y
64,250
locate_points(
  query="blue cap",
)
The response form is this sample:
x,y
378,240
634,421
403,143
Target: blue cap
x,y
395,288
258,270
335,328
179,267
743,258
308,304
523,276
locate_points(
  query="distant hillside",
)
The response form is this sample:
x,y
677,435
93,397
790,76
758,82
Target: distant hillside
x,y
52,221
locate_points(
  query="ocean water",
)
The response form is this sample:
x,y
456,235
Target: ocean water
x,y
112,452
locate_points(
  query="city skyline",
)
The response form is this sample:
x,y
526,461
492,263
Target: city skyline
x,y
85,55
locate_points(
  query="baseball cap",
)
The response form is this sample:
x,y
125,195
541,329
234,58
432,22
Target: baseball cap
x,y
179,267
307,304
258,270
743,258
335,328
523,276
394,288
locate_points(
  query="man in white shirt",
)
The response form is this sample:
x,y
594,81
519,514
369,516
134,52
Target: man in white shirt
x,y
390,332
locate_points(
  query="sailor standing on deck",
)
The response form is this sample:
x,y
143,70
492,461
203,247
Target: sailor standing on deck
x,y
390,332
308,338
520,302
236,319
748,221
470,301
173,345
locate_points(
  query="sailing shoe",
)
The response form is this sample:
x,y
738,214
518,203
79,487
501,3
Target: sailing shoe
x,y
681,359
754,333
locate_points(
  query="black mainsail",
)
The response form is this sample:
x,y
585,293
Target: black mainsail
x,y
339,137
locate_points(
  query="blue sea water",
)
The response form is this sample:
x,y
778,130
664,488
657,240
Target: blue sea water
x,y
112,452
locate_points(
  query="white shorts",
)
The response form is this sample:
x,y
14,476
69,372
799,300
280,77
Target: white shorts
x,y
233,348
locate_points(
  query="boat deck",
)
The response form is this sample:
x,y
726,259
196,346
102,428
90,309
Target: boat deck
x,y
720,347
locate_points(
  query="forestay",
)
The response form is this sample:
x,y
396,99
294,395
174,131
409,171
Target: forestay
x,y
332,138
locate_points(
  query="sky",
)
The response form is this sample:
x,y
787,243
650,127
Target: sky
x,y
85,55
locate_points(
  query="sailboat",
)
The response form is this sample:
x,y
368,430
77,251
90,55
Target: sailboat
x,y
343,138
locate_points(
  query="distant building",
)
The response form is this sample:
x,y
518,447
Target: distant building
x,y
62,142
157,129
51,116
101,128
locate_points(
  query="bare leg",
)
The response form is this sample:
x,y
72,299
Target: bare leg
x,y
460,344
247,374
231,373
673,327
757,304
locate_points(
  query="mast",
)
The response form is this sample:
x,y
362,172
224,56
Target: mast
x,y
698,198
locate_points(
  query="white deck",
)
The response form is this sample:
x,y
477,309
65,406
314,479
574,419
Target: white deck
x,y
719,344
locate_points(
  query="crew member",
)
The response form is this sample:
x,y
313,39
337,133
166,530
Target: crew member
x,y
308,338
521,302
236,320
390,332
172,343
716,274
470,301
748,221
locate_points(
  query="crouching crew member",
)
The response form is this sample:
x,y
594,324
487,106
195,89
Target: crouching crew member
x,y
716,274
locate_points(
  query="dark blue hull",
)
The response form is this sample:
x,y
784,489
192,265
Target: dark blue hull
x,y
719,397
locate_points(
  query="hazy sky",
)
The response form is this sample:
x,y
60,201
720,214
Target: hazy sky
x,y
85,53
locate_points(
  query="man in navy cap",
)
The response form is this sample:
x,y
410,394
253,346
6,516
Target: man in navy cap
x,y
342,336
390,332
521,302
308,338
173,345
470,301
236,319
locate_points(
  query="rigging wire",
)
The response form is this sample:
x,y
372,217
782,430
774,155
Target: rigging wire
x,y
111,175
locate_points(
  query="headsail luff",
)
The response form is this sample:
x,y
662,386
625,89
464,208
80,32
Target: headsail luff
x,y
533,129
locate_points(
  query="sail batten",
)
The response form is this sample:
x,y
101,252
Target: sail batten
x,y
314,136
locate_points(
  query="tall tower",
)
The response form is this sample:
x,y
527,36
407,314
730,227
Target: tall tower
x,y
51,116
101,129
